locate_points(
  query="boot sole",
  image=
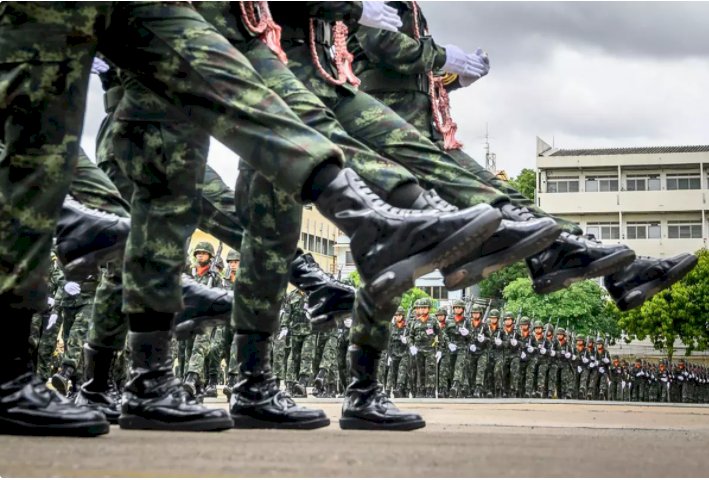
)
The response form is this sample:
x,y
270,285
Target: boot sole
x,y
360,424
79,268
600,268
640,294
246,422
59,385
135,422
82,429
400,276
483,267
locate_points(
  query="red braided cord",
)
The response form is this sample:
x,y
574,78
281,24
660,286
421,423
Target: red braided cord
x,y
261,23
342,58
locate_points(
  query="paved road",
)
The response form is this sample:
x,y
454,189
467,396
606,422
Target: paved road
x,y
482,438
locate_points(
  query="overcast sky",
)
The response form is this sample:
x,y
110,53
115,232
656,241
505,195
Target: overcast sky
x,y
581,74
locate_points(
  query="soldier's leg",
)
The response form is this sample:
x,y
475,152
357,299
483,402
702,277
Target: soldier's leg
x,y
47,345
73,348
481,375
460,375
430,368
293,373
530,376
342,344
553,380
195,376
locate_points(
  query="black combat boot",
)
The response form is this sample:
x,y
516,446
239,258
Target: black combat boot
x,y
319,384
574,258
229,387
327,298
210,391
204,308
61,379
27,406
192,384
646,276
366,406
255,401
96,392
392,247
519,235
86,238
154,399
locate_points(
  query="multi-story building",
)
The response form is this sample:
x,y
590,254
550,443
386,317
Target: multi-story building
x,y
653,199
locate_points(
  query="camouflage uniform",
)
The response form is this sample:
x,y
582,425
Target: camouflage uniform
x,y
506,351
393,68
343,342
398,358
456,338
424,337
299,331
324,364
615,389
521,360
600,378
478,357
49,326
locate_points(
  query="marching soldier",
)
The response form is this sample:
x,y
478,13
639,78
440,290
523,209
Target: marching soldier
x,y
495,353
601,377
299,331
521,362
616,379
423,342
478,355
456,337
543,360
398,356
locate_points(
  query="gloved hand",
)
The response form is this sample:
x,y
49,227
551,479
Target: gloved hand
x,y
513,342
282,333
601,370
380,15
438,356
606,360
579,369
498,342
72,288
481,338
348,322
413,350
567,355
52,320
552,354
99,66
574,357
543,351
50,302
482,65
530,349
457,61
473,348
523,356
403,339
464,331
452,347
584,360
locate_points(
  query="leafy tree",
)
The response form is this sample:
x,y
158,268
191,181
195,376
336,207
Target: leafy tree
x,y
525,183
354,279
583,305
679,312
493,285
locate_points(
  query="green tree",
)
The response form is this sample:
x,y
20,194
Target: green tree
x,y
354,279
493,285
525,183
583,306
679,312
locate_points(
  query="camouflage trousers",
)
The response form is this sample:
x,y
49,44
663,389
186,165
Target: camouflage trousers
x,y
206,356
48,51
530,375
343,342
424,369
398,379
451,369
300,357
545,377
324,363
49,327
75,328
501,372
518,369
615,390
280,355
476,366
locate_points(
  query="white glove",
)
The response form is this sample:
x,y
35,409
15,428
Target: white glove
x,y
464,331
498,342
530,349
567,355
622,384
663,379
72,288
473,348
457,61
452,347
584,360
606,360
513,342
482,65
50,302
602,370
523,356
573,357
579,369
592,365
52,320
552,354
380,15
348,322
388,360
481,338
543,351
413,350
99,66
438,356
639,375
403,339
282,333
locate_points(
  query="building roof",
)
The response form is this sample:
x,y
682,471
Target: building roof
x,y
630,150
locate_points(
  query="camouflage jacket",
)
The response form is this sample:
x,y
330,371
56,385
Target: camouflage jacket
x,y
424,334
294,310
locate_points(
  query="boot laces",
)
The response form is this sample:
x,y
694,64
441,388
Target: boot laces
x,y
438,203
377,201
74,203
523,212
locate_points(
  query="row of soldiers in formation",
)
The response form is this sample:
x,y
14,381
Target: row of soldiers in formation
x,y
461,355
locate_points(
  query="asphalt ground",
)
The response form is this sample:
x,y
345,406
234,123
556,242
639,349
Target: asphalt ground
x,y
465,438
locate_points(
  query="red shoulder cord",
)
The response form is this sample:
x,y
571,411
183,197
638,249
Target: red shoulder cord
x,y
342,58
440,102
260,22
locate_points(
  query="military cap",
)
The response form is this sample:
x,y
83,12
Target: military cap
x,y
580,339
509,314
233,255
590,339
400,311
478,308
423,302
495,313
524,321
600,341
560,331
538,324
441,311
458,303
549,326
205,247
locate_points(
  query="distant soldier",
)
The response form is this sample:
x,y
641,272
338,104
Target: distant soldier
x,y
615,371
398,356
495,353
478,352
423,343
600,378
544,386
564,372
456,337
522,360
299,331
579,360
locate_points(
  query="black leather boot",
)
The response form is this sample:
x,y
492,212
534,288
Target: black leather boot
x,y
204,308
572,258
154,399
327,298
210,391
366,406
192,384
645,277
86,238
229,387
392,247
61,379
518,236
96,392
256,402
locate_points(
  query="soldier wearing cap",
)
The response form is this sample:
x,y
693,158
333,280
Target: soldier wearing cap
x,y
521,360
398,356
423,343
455,337
477,356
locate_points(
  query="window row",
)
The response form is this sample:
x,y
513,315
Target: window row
x,y
317,244
645,230
633,183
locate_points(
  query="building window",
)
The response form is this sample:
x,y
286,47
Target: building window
x,y
602,184
683,181
641,183
439,293
684,229
643,230
604,230
349,261
563,185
